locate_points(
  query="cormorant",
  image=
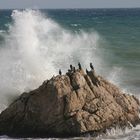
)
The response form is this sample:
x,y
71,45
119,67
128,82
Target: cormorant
x,y
79,66
86,71
91,66
60,73
71,67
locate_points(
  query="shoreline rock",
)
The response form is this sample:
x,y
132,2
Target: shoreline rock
x,y
70,105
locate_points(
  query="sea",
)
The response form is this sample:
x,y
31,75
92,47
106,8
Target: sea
x,y
35,44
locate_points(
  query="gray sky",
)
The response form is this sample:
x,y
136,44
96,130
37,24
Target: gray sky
x,y
4,4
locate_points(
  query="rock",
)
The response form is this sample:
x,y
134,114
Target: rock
x,y
70,105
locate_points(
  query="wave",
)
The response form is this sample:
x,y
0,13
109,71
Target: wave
x,y
35,47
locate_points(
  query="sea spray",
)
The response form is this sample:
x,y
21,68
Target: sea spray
x,y
36,47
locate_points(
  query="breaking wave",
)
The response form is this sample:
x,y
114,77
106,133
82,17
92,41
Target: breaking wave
x,y
35,47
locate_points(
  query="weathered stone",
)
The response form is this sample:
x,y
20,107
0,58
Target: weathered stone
x,y
70,105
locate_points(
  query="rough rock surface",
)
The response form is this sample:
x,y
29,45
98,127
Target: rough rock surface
x,y
70,105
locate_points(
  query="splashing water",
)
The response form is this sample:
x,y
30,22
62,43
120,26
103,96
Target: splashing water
x,y
36,47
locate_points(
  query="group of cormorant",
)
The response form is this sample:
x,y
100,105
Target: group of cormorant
x,y
73,68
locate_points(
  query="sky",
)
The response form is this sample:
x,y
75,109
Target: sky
x,y
49,4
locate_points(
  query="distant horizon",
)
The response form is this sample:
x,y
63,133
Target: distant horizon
x,y
69,8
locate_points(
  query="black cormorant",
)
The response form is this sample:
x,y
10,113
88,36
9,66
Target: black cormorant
x,y
91,66
86,71
60,73
79,66
71,67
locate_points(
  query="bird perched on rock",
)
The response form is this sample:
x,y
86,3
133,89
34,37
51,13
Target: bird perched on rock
x,y
60,73
86,71
69,71
79,65
74,70
91,66
71,67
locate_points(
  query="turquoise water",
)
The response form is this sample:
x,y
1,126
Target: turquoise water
x,y
35,44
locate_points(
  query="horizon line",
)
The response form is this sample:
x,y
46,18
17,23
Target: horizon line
x,y
70,8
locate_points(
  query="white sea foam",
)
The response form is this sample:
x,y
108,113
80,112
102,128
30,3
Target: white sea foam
x,y
119,134
36,47
113,75
1,31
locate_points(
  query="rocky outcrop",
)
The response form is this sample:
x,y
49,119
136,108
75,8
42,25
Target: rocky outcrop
x,y
70,105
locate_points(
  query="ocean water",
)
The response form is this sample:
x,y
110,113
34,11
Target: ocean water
x,y
35,44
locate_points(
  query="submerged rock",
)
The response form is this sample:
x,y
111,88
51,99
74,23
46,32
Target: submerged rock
x,y
70,105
